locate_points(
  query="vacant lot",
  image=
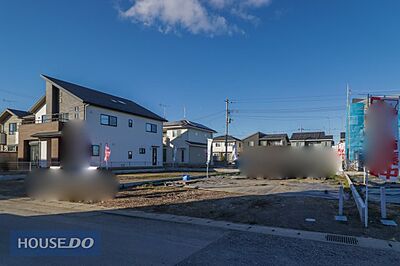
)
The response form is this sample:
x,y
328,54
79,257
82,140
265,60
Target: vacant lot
x,y
282,203
126,178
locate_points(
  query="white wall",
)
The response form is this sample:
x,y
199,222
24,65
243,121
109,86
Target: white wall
x,y
122,138
198,135
221,147
39,113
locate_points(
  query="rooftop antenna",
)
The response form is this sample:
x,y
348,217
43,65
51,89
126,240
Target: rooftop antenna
x,y
164,107
184,112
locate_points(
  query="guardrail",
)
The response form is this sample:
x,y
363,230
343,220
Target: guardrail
x,y
357,198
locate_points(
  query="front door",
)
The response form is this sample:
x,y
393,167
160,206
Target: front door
x,y
34,151
154,155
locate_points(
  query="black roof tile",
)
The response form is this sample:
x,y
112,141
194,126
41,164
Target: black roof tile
x,y
105,100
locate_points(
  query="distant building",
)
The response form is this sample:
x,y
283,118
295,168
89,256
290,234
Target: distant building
x,y
219,147
262,139
342,137
10,120
185,143
311,139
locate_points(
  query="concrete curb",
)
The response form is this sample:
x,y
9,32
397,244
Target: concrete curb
x,y
158,181
267,230
12,177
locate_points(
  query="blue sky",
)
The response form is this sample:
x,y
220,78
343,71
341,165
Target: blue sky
x,y
285,64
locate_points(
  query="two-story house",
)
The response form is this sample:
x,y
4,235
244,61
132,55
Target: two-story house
x,y
133,133
219,150
311,139
261,139
185,143
10,120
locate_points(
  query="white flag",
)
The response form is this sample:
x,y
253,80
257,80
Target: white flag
x,y
209,150
234,153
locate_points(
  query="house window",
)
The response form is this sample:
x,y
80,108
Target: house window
x,y
130,123
12,128
217,144
108,120
263,143
183,155
76,112
95,150
142,151
251,143
130,155
151,128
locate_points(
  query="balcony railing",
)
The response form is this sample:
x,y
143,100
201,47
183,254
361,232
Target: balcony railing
x,y
60,117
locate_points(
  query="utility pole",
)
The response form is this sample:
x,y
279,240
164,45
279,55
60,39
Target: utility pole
x,y
347,126
228,120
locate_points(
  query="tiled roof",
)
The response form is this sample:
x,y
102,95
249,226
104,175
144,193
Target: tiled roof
x,y
105,100
187,124
310,135
222,138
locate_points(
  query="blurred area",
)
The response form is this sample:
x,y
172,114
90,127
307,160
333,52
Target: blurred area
x,y
288,162
74,179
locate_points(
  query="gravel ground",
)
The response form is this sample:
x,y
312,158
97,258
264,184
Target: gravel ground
x,y
126,178
278,208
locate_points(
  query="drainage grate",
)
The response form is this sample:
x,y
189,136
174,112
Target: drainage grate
x,y
342,239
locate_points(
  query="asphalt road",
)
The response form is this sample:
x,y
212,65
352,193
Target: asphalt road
x,y
137,241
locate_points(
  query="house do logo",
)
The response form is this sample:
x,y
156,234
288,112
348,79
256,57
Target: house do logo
x,y
62,243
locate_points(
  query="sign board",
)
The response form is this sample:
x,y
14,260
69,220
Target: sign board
x,y
382,135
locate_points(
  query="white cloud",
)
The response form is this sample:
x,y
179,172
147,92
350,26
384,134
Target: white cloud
x,y
209,17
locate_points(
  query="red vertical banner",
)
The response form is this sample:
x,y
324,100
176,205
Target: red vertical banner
x,y
107,153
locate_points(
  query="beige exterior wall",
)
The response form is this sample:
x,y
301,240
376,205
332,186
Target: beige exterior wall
x,y
11,139
71,105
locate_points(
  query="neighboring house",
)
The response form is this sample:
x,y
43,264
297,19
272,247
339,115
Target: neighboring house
x,y
218,147
314,139
262,139
185,142
10,120
133,133
342,137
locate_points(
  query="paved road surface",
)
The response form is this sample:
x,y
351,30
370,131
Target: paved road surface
x,y
137,241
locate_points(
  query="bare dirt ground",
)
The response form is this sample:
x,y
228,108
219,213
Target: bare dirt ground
x,y
281,203
126,178
256,202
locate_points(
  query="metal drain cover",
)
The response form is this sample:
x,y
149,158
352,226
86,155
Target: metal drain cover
x,y
342,239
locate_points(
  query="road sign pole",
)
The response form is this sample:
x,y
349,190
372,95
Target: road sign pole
x,y
383,203
366,198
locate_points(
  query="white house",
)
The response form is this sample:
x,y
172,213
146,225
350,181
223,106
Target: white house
x,y
133,133
218,147
185,143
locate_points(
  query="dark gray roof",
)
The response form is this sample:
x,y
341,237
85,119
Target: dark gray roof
x,y
310,135
196,143
222,138
19,113
187,123
274,136
105,100
263,136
